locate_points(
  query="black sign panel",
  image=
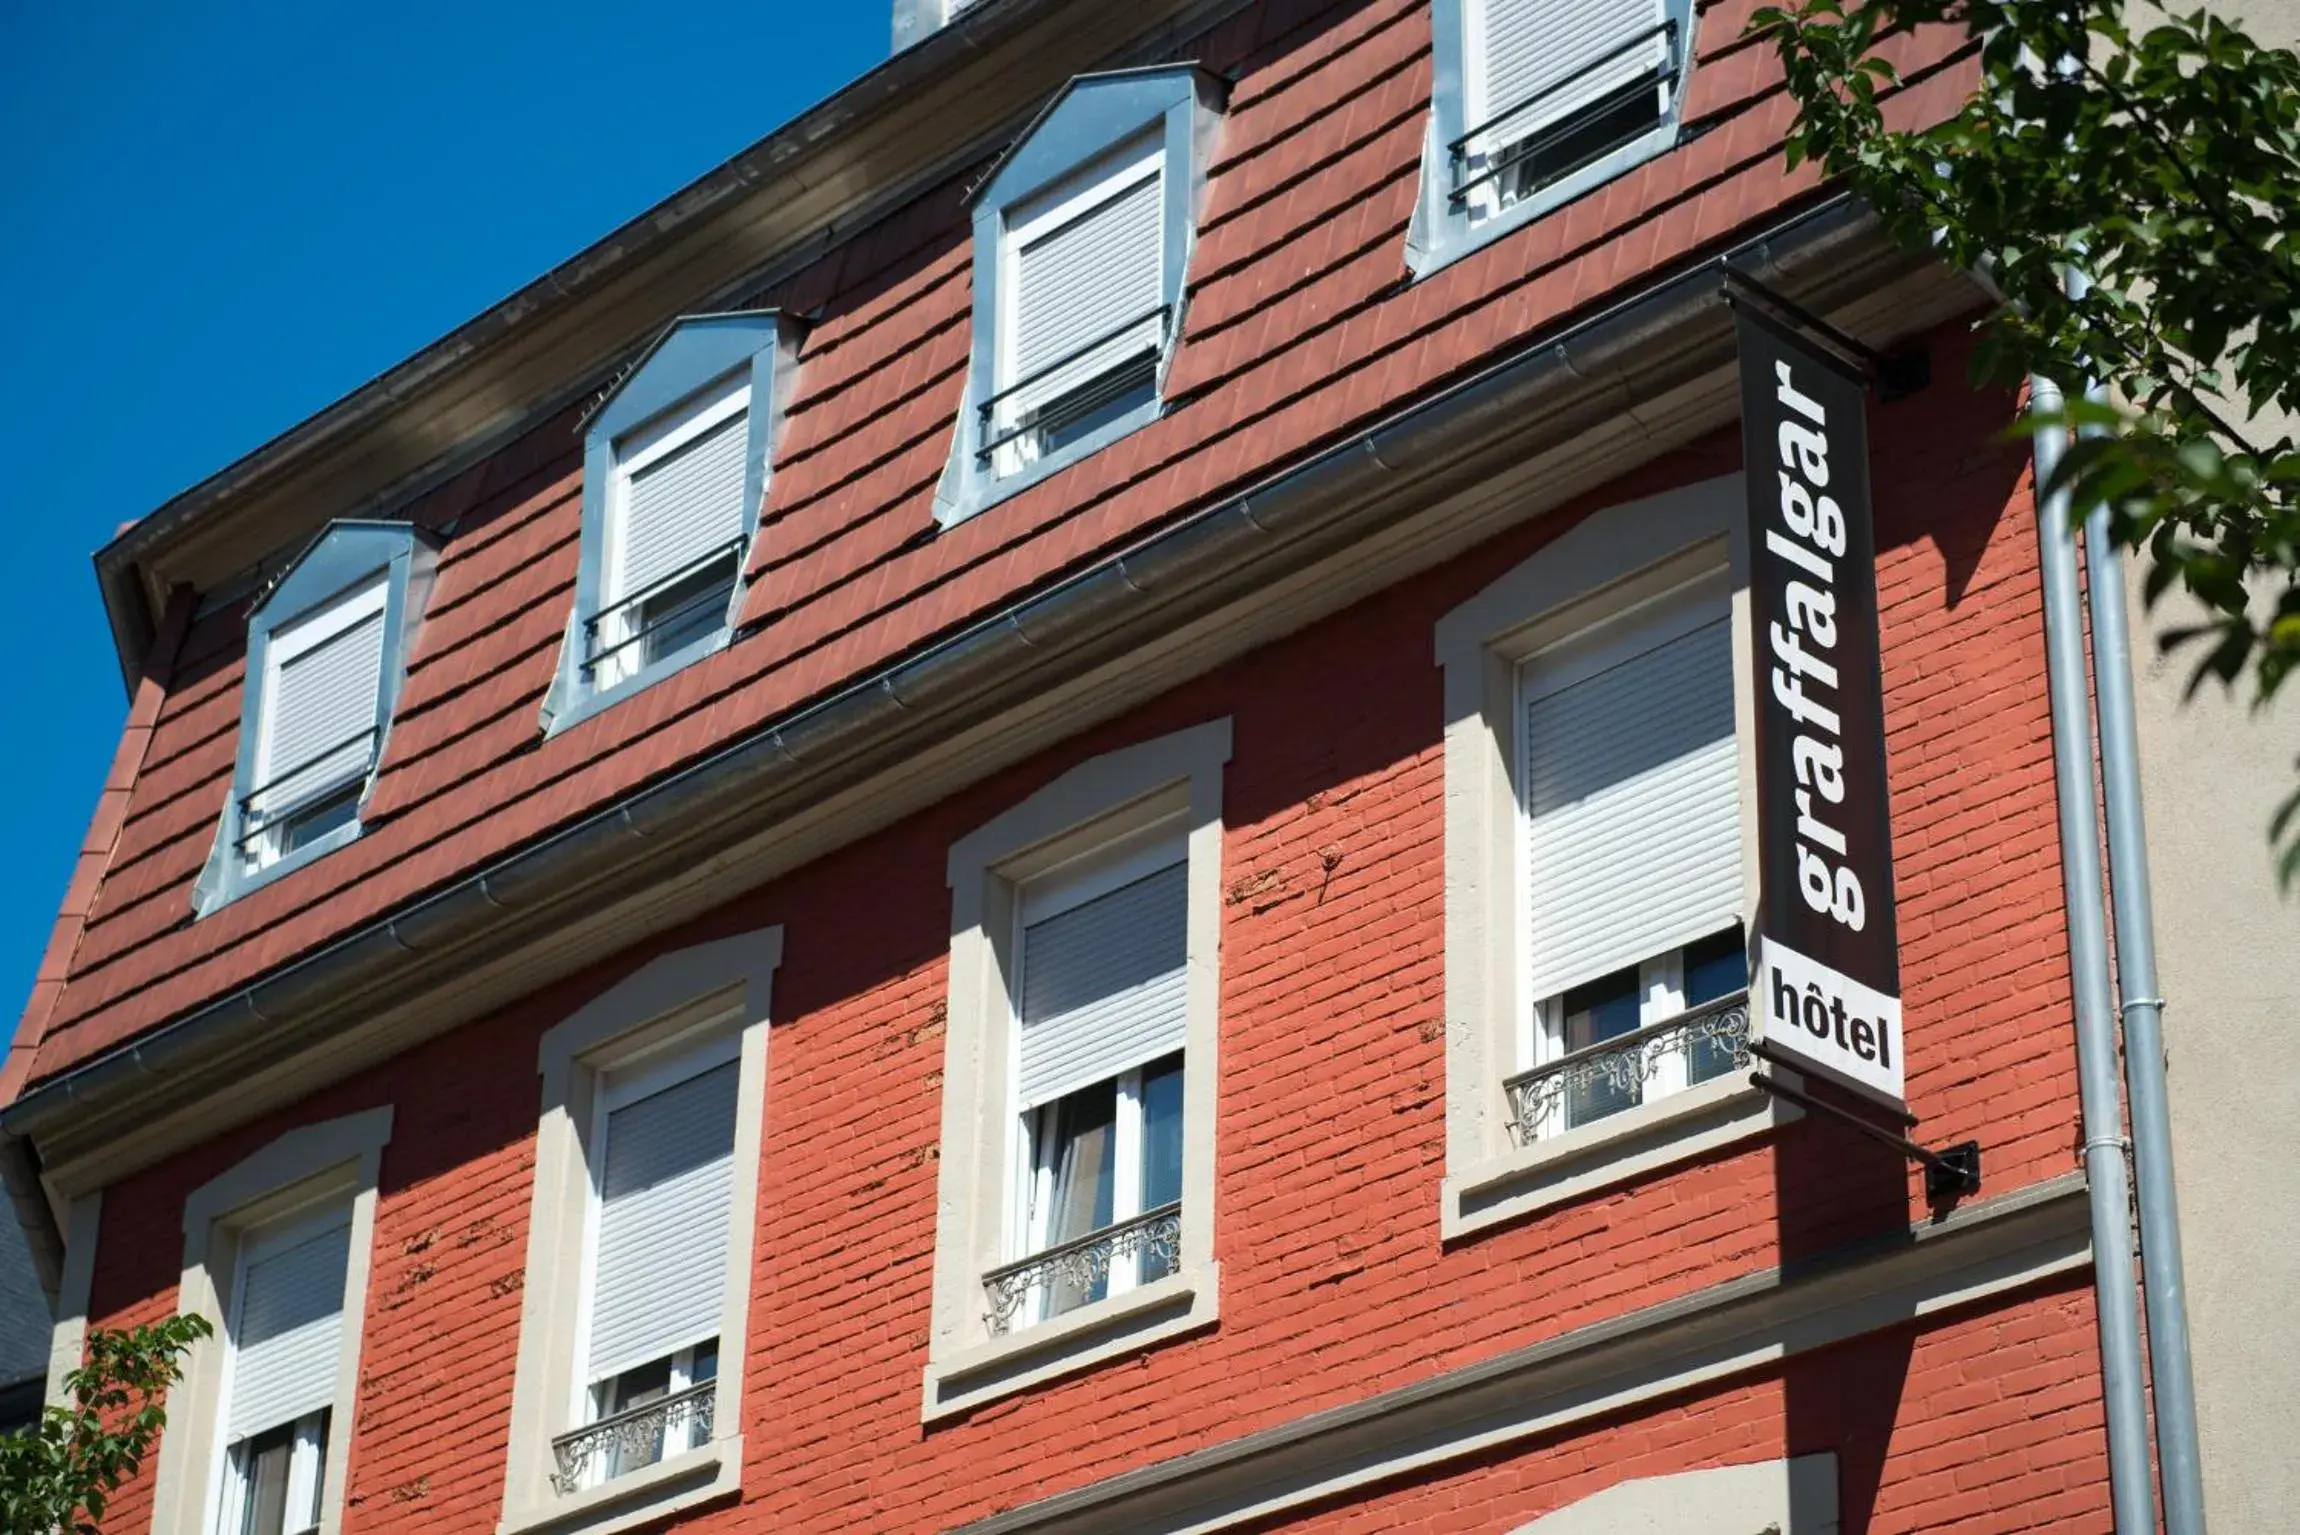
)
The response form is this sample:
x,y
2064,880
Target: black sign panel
x,y
1827,976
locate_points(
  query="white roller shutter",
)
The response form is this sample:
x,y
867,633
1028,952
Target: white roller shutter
x,y
1532,45
288,1327
1103,986
1633,811
320,715
682,506
1081,271
664,1211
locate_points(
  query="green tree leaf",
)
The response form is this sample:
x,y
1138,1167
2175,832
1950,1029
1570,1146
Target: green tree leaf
x,y
60,1473
2161,153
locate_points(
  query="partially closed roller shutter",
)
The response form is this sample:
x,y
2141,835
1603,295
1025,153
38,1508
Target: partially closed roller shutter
x,y
288,1327
320,719
1083,279
683,507
1633,810
1103,986
1554,46
664,1215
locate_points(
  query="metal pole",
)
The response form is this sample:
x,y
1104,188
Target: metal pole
x,y
2164,1289
2132,1491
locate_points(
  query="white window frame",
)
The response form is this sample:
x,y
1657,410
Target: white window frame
x,y
717,403
1031,1178
685,382
1638,625
710,1002
307,1171
680,1376
1610,563
303,1486
306,1479
299,637
1094,119
1131,164
1089,818
353,564
618,1088
1034,1184
1441,232
1661,996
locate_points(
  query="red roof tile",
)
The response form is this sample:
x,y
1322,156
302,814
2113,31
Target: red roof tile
x,y
1300,326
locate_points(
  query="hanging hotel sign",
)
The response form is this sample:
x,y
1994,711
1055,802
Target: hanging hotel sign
x,y
1826,978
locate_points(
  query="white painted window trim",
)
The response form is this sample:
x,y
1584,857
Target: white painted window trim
x,y
714,405
335,1162
1102,181
1165,787
681,1061
293,639
1610,562
68,1340
672,1007
1438,234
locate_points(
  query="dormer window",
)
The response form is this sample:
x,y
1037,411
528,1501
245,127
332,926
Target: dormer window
x,y
317,724
675,465
327,646
1536,102
1082,339
1081,239
675,535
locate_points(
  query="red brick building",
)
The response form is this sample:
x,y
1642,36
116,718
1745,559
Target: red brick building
x,y
1034,816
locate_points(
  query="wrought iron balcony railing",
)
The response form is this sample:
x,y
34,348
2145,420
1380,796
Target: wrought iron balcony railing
x,y
1612,1075
635,1437
1154,1237
1505,158
715,594
1125,373
258,819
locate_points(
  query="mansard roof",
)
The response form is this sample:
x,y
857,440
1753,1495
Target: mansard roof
x,y
1301,328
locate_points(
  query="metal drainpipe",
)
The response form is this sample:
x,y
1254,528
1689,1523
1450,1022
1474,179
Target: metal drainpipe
x,y
2164,1288
2116,1297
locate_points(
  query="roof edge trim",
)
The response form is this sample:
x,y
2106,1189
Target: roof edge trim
x,y
1802,248
801,154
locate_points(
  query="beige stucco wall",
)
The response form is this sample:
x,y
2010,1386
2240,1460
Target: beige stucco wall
x,y
2229,961
2229,964
2213,773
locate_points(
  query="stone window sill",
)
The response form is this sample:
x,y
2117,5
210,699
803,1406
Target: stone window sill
x,y
646,1496
1619,1147
1150,1314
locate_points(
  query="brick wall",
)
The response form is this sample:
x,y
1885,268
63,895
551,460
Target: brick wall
x,y
1984,1421
1330,1135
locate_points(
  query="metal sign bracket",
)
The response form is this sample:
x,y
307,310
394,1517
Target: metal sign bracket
x,y
1896,374
1951,1173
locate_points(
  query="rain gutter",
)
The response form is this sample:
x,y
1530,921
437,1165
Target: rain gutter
x,y
2124,1391
1581,360
762,214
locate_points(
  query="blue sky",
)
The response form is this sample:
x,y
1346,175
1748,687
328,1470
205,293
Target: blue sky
x,y
216,219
